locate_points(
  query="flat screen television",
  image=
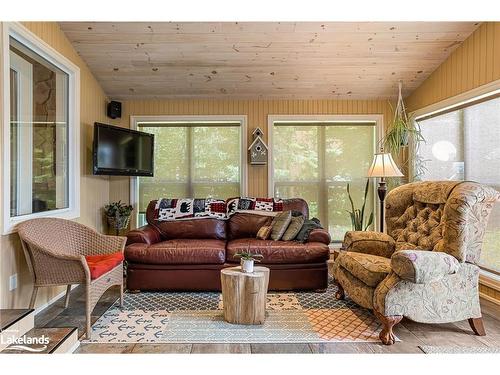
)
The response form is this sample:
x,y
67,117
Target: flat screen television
x,y
124,152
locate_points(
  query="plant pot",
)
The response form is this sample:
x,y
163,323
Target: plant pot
x,y
118,222
247,265
405,137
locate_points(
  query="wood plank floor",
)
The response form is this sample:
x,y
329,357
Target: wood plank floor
x,y
412,334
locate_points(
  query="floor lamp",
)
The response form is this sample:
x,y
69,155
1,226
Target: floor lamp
x,y
383,166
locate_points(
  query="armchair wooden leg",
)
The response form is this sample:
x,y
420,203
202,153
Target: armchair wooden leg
x,y
477,326
386,335
66,300
340,293
33,297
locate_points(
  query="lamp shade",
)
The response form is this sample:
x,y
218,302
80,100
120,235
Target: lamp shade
x,y
383,165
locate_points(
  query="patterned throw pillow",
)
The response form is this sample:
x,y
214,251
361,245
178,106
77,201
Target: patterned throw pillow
x,y
294,228
280,223
264,232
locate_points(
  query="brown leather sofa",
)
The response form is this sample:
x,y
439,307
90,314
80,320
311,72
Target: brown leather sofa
x,y
188,255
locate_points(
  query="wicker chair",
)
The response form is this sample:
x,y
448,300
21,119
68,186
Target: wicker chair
x,y
55,250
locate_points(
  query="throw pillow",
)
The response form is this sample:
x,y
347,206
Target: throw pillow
x,y
294,228
308,226
280,223
264,232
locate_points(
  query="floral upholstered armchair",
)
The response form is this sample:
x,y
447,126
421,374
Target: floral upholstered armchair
x,y
425,267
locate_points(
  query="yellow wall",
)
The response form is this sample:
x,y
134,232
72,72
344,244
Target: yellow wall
x,y
474,63
256,111
94,190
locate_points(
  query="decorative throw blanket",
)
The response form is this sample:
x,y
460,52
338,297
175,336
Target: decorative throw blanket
x,y
189,208
254,205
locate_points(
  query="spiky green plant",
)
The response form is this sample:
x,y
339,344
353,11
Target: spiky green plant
x,y
249,256
358,215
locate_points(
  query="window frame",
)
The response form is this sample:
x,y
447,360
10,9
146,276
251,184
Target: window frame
x,y
242,119
475,96
378,119
41,48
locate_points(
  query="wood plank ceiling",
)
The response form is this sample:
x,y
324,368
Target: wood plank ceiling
x,y
250,60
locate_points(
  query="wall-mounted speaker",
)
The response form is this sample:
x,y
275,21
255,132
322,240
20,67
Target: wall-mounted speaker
x,y
114,109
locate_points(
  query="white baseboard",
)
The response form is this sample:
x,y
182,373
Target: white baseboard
x,y
52,300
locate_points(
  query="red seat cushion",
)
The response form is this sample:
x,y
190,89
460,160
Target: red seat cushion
x,y
100,264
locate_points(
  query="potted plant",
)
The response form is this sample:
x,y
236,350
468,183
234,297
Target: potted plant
x,y
403,133
118,215
358,215
247,261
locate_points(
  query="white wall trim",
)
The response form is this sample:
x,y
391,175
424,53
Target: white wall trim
x,y
242,119
480,92
24,70
30,40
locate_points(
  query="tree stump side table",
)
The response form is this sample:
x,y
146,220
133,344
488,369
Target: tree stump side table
x,y
244,295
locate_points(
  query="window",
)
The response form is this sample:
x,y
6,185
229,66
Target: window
x,y
194,159
463,144
40,156
316,160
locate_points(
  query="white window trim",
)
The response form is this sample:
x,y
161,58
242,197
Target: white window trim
x,y
271,119
242,119
480,92
486,278
24,155
27,38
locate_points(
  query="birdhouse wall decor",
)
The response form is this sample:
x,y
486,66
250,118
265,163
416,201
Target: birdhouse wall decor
x,y
258,148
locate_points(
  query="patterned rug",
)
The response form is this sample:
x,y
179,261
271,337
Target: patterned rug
x,y
164,317
458,350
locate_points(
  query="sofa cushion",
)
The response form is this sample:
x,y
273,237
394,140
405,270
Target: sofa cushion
x,y
280,223
264,232
181,251
100,264
294,228
296,204
370,269
279,252
244,225
193,229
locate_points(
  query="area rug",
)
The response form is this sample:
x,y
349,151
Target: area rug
x,y
305,317
458,350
